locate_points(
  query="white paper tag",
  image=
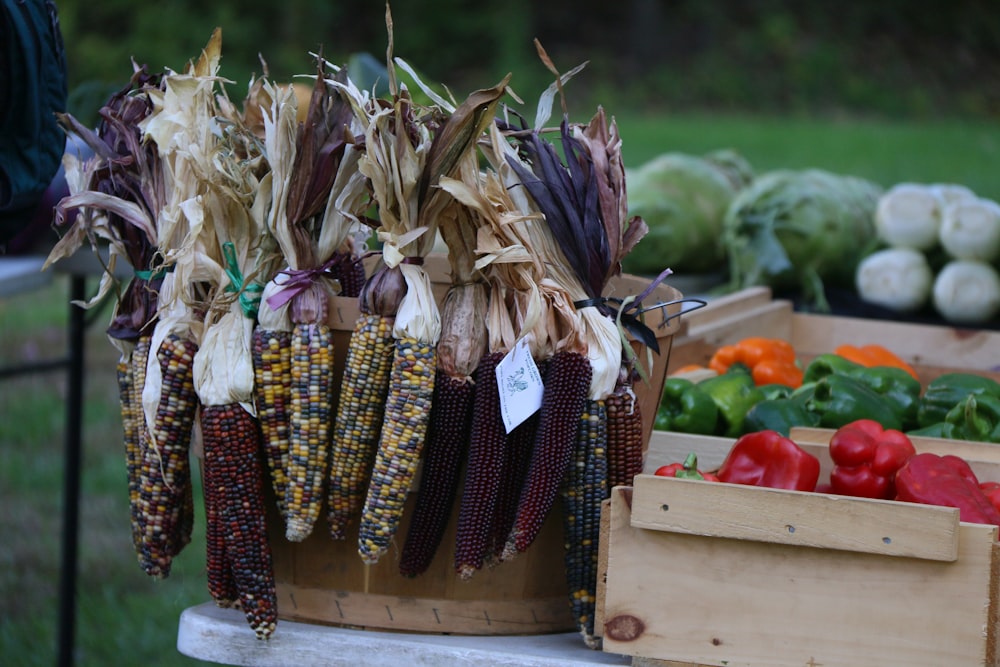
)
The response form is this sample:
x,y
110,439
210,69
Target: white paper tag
x,y
520,385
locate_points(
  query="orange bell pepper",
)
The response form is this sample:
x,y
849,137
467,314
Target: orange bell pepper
x,y
873,355
770,360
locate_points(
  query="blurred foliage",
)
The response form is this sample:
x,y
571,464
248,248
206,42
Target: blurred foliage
x,y
894,58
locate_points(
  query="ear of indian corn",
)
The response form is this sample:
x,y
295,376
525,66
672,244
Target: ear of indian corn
x,y
272,367
444,453
234,470
130,438
583,491
310,429
352,277
219,574
136,452
567,383
483,471
407,409
165,474
624,437
517,457
358,423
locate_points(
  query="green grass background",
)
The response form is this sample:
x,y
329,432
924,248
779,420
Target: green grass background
x,y
122,615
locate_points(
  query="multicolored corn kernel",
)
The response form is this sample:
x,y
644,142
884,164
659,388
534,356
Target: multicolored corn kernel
x,y
483,471
234,479
444,452
138,361
130,439
358,423
584,489
272,367
310,427
624,437
165,471
567,383
407,411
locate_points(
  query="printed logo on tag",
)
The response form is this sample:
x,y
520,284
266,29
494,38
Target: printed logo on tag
x,y
520,386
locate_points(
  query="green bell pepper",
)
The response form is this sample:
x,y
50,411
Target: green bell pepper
x,y
775,390
686,407
778,414
734,393
946,391
894,383
841,399
829,364
977,417
932,431
898,386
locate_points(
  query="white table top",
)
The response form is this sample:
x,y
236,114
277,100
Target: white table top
x,y
221,635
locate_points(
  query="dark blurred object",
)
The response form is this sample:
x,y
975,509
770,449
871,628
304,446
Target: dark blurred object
x,y
32,89
846,303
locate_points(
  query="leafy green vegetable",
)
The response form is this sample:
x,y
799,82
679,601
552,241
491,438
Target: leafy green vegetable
x,y
683,199
798,230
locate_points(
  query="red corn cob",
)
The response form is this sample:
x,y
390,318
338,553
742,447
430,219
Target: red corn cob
x,y
482,472
517,457
624,437
221,584
567,382
444,453
234,470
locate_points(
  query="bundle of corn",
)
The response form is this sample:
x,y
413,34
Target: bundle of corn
x,y
226,256
116,196
239,565
462,342
585,215
184,111
512,272
406,158
319,197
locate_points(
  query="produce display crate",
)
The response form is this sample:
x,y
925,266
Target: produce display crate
x,y
324,581
931,349
704,573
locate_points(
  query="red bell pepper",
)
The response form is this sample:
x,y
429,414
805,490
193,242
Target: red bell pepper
x,y
686,470
945,480
992,491
767,458
866,457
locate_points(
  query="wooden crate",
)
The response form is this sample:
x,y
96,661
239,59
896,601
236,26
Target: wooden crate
x,y
932,350
324,581
721,574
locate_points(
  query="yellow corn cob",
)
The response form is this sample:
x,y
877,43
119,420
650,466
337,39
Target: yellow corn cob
x,y
583,490
359,419
272,367
133,453
140,356
309,435
407,410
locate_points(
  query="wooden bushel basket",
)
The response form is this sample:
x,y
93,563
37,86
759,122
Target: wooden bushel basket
x,y
324,581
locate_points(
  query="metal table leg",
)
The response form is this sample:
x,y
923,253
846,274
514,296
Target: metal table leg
x,y
73,456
